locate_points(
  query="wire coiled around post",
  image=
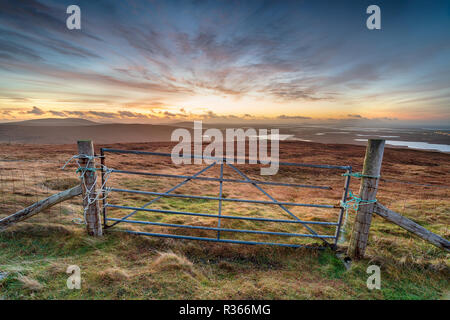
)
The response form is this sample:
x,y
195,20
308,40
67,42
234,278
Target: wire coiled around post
x,y
90,196
352,203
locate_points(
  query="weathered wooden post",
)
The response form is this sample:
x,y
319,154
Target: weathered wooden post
x,y
367,194
88,185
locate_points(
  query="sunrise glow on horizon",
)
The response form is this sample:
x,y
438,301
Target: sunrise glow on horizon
x,y
145,61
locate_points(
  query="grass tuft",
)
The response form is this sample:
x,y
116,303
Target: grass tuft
x,y
30,283
172,261
112,275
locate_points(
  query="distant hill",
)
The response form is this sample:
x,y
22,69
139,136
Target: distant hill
x,y
183,124
69,130
38,132
54,122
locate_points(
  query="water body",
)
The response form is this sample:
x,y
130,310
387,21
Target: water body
x,y
376,135
281,137
298,139
417,145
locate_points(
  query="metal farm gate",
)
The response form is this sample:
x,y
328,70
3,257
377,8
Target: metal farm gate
x,y
328,240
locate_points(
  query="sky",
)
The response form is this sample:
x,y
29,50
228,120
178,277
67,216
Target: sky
x,y
155,61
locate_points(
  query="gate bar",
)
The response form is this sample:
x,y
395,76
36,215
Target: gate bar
x,y
224,180
229,160
220,201
344,199
163,224
167,192
162,194
216,216
280,204
162,235
102,166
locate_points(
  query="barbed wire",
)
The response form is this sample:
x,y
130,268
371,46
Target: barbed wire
x,y
360,175
414,183
90,196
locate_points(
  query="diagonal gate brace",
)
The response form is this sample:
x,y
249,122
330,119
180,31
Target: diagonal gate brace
x,y
276,202
165,193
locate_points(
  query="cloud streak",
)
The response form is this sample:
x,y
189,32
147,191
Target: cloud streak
x,y
266,57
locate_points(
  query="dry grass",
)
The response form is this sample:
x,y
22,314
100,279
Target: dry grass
x,y
122,266
172,261
113,274
29,283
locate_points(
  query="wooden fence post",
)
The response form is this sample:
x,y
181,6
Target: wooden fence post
x,y
93,223
39,206
367,192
